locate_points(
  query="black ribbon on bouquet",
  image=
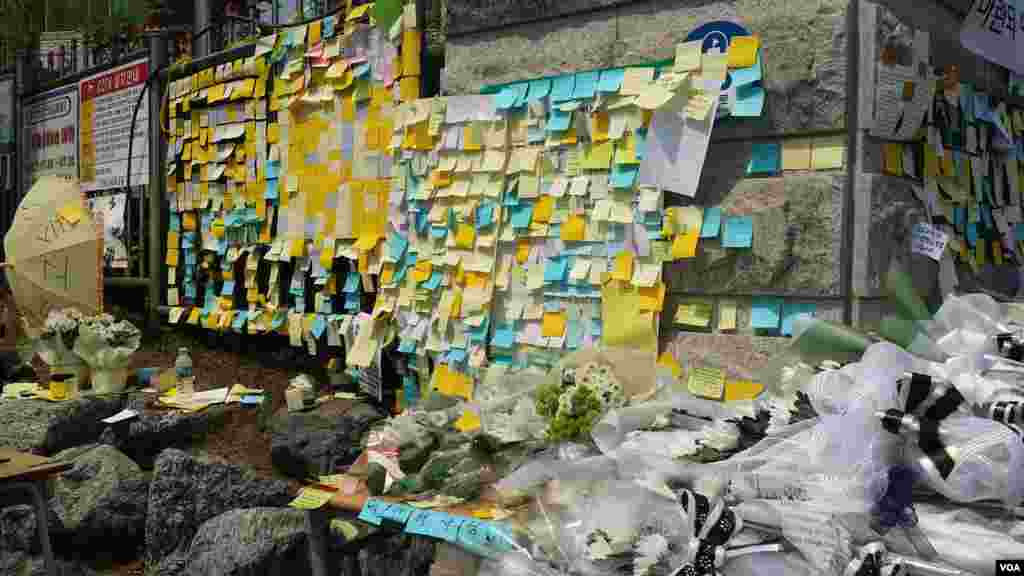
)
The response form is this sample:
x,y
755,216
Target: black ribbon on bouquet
x,y
872,560
929,402
711,528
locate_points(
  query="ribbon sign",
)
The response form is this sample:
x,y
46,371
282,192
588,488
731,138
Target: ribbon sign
x,y
711,528
994,30
928,403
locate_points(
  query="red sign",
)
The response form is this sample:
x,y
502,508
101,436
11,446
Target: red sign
x,y
117,80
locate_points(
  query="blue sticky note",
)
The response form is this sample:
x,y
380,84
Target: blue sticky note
x,y
959,217
484,215
395,512
371,512
412,393
457,355
278,320
539,89
595,328
986,216
558,120
361,70
521,215
712,222
562,88
747,76
328,27
397,245
449,527
586,85
739,232
623,175
981,107
270,193
764,313
555,270
506,98
749,101
1018,232
407,347
438,232
504,338
640,137
972,233
573,334
611,80
434,281
792,310
352,282
764,158
352,302
175,223
422,522
228,289
319,326
239,320
273,169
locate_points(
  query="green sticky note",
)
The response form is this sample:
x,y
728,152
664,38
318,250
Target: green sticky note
x,y
387,12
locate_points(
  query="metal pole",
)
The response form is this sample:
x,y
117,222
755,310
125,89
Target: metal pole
x,y
155,190
200,44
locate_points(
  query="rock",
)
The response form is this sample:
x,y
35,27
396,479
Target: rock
x,y
100,503
304,444
49,427
143,439
21,564
252,542
186,491
402,555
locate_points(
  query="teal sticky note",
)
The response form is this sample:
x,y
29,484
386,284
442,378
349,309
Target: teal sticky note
x,y
228,289
586,85
504,338
558,120
791,311
539,89
371,512
420,522
739,232
749,101
412,396
397,245
506,98
556,269
611,80
764,313
273,169
484,215
765,158
239,320
352,282
747,76
407,347
562,88
271,191
449,527
319,326
434,281
398,513
623,175
521,215
712,224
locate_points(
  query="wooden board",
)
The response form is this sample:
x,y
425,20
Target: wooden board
x,y
20,466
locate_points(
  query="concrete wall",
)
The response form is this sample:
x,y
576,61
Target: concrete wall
x,y
798,234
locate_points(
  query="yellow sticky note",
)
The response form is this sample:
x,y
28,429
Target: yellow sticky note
x,y
522,251
743,51
273,133
706,383
796,154
422,270
411,52
685,245
997,253
297,248
829,152
669,361
573,229
469,422
543,210
626,324
739,390
893,158
193,316
652,299
979,253
172,257
694,314
625,153
458,384
554,325
727,315
465,235
311,499
623,268
71,212
600,126
188,221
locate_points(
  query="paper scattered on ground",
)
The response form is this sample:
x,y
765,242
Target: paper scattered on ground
x,y
311,499
202,400
120,417
14,390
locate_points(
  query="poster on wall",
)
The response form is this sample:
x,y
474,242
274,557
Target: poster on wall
x,y
110,210
994,30
107,104
50,122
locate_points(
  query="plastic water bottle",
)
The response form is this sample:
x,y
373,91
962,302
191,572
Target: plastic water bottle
x,y
183,369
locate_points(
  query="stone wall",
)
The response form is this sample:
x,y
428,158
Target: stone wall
x,y
798,218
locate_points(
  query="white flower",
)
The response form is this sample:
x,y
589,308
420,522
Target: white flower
x,y
722,436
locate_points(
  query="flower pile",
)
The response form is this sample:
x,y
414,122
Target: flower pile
x,y
106,344
59,336
576,401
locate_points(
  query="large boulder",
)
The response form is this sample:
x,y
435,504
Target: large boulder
x,y
252,542
305,444
149,435
100,503
49,427
188,490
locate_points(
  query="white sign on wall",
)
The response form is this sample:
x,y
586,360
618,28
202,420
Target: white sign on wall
x,y
107,104
50,125
994,30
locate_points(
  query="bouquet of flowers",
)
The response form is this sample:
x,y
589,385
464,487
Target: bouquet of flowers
x,y
60,334
105,344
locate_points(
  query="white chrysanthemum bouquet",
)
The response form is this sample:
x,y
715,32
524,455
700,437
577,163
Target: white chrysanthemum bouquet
x,y
105,344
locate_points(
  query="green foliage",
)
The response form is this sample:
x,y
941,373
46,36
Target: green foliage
x,y
547,399
576,424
